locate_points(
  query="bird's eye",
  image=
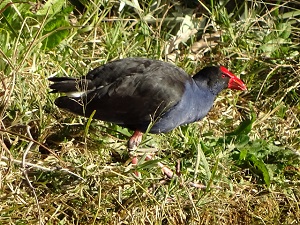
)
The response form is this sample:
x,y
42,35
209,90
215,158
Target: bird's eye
x,y
223,75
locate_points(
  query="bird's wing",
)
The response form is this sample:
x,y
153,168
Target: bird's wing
x,y
135,90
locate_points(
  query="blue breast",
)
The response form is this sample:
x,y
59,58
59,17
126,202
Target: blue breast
x,y
193,106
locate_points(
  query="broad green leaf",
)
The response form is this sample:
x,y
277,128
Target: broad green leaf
x,y
262,167
201,158
57,34
243,154
51,7
245,127
242,140
284,29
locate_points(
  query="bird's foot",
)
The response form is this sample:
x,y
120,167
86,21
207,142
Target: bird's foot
x,y
135,140
133,143
135,154
149,156
166,170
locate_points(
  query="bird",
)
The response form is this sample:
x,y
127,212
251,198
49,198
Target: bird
x,y
144,94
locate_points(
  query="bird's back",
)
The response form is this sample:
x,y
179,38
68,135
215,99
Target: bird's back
x,y
130,92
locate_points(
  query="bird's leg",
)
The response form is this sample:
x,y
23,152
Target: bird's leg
x,y
133,143
135,140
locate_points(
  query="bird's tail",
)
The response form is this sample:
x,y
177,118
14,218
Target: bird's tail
x,y
72,87
76,91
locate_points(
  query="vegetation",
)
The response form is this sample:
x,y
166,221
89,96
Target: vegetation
x,y
59,168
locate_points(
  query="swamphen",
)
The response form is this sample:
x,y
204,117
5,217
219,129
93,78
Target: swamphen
x,y
141,94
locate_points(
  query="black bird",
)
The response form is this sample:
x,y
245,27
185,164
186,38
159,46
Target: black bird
x,y
144,94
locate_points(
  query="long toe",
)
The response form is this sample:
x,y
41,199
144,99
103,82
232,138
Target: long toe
x,y
166,170
134,162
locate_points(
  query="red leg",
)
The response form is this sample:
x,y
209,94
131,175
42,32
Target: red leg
x,y
133,143
135,140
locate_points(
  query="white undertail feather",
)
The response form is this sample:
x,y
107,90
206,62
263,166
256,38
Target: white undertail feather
x,y
77,94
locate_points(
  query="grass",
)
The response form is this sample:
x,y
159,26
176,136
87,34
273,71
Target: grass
x,y
246,151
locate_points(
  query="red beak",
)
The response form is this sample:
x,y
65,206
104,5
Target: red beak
x,y
234,82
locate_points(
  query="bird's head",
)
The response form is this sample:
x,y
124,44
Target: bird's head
x,y
217,78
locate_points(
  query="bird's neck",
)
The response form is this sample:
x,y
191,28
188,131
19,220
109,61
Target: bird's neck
x,y
194,105
197,101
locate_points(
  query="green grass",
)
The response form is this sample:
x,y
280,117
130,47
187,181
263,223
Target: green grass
x,y
246,151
